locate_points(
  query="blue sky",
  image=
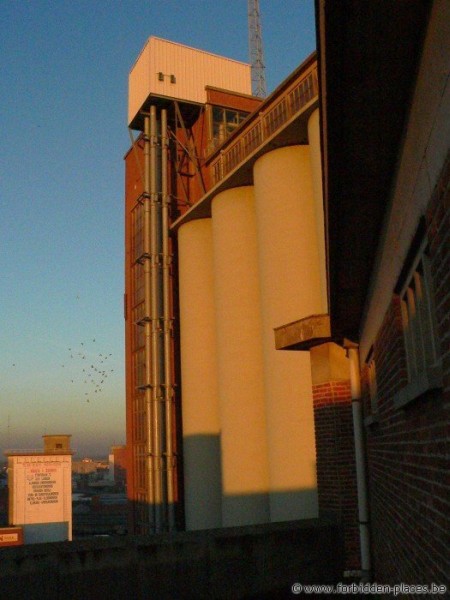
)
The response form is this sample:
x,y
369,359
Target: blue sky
x,y
63,71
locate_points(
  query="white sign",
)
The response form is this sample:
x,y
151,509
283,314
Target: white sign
x,y
41,489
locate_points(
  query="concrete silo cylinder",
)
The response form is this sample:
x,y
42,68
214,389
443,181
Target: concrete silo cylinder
x,y
290,290
201,427
240,359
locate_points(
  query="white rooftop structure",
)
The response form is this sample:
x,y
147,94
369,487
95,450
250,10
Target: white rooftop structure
x,y
170,70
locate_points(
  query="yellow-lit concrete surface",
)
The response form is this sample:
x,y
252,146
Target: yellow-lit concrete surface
x,y
240,359
290,282
201,428
316,173
329,362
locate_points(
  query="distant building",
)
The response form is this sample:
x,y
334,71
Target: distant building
x,y
118,465
89,465
40,490
84,466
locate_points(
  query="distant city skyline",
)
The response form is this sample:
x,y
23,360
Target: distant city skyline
x,y
64,105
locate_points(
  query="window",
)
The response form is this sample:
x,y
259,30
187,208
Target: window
x,y
223,122
420,332
137,236
418,320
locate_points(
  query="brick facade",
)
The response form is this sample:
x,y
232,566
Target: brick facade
x,y
408,447
336,462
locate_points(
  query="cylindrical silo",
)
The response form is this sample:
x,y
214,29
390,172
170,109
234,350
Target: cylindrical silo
x,y
201,427
316,171
240,359
290,289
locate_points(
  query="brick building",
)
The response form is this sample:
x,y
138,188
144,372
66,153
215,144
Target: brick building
x,y
382,350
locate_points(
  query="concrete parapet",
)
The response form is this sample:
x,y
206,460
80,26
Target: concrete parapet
x,y
259,561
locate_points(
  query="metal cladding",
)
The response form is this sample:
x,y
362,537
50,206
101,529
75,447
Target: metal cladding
x,y
169,70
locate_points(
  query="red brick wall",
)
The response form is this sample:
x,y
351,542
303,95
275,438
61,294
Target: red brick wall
x,y
336,475
408,448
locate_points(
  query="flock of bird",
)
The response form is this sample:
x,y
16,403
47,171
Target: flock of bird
x,y
92,369
87,367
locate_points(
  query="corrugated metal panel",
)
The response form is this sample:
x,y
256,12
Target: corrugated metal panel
x,y
193,70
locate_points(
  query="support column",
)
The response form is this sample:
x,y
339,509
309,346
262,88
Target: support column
x,y
290,290
240,360
201,427
336,470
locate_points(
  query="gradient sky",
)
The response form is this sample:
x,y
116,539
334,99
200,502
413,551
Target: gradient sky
x,y
63,71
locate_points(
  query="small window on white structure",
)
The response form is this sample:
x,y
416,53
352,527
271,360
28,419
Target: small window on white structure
x,y
418,317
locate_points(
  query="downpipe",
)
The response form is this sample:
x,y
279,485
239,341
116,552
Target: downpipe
x,y
360,459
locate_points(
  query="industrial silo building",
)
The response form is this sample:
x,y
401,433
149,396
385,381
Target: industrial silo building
x,y
224,242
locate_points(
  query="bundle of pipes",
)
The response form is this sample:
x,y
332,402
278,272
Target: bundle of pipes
x,y
159,398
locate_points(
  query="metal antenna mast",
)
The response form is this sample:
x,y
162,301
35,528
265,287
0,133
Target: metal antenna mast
x,y
256,50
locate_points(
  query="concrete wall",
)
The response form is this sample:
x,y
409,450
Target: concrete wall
x,y
260,562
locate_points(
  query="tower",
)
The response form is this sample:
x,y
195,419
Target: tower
x,y
256,50
180,104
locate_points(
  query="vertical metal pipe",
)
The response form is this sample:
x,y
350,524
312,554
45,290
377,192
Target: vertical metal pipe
x,y
155,325
361,480
168,384
147,326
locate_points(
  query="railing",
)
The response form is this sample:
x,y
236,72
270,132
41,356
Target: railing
x,y
265,124
24,451
33,451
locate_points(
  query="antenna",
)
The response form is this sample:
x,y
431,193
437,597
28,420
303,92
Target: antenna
x,y
256,50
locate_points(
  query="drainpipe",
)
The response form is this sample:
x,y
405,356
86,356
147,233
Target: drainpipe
x,y
168,383
361,476
155,345
147,328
